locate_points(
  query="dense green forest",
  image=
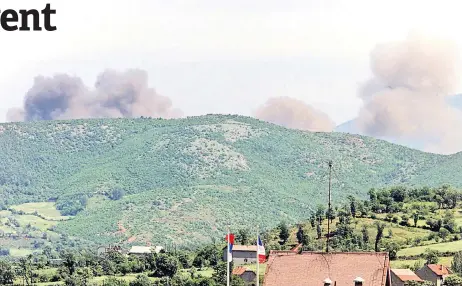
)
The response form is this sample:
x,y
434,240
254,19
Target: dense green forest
x,y
182,181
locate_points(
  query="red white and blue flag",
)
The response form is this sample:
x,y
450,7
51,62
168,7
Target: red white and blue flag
x,y
261,251
230,239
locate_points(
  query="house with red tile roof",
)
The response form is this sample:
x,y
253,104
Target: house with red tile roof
x,y
400,276
435,273
245,273
286,268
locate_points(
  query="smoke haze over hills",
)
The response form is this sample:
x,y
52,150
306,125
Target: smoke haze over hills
x,y
115,94
407,97
408,100
295,114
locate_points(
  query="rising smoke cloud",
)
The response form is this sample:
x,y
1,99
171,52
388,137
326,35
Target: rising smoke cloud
x,y
115,94
407,97
294,113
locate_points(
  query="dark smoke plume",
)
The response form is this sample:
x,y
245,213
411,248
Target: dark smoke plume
x,y
115,94
294,113
407,97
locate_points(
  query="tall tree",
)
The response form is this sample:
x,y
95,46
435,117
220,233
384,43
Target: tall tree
x,y
166,265
283,233
6,273
365,234
243,236
352,205
300,234
453,280
330,214
415,217
456,264
219,274
392,248
431,256
380,227
319,230
25,265
70,262
320,213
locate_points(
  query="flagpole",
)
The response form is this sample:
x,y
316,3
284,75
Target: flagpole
x,y
227,260
258,258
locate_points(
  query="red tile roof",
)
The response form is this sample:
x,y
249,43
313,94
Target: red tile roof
x,y
286,268
406,275
296,248
439,269
240,270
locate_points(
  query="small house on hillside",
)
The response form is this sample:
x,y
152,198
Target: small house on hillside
x,y
144,250
242,254
286,268
104,250
400,276
246,274
435,273
140,250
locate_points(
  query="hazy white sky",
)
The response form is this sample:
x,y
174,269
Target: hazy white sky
x,y
217,56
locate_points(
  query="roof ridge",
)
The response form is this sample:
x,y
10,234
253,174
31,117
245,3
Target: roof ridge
x,y
329,253
371,266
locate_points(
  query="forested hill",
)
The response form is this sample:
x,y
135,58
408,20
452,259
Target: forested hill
x,y
183,180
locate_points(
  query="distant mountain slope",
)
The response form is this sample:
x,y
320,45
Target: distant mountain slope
x,y
186,179
348,127
443,172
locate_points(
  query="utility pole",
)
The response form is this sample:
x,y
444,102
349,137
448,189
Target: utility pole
x,y
227,259
258,257
329,207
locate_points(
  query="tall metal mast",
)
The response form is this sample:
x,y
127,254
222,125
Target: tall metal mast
x,y
329,207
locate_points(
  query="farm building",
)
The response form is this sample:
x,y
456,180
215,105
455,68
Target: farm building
x,y
246,274
435,273
242,254
400,276
143,250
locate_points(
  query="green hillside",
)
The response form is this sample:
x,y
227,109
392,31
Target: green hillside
x,y
182,181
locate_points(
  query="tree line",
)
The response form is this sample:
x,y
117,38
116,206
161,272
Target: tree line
x,y
79,268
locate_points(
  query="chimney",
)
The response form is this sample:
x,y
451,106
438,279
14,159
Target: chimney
x,y
359,281
327,282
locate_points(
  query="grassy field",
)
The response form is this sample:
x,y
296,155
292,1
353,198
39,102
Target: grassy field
x,y
442,247
399,233
16,252
35,230
45,209
42,284
399,264
4,213
35,221
6,228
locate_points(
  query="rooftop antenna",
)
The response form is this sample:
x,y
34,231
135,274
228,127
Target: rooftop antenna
x,y
329,208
